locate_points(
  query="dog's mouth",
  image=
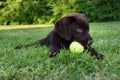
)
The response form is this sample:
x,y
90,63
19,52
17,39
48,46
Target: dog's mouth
x,y
87,45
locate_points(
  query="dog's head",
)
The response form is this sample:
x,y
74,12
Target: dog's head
x,y
74,27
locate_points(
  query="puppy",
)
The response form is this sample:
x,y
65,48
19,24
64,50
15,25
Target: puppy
x,y
72,27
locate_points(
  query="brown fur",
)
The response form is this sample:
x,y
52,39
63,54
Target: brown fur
x,y
72,27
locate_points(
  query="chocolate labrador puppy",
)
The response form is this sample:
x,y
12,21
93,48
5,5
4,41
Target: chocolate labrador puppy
x,y
72,27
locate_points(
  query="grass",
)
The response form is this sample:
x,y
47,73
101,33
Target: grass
x,y
33,63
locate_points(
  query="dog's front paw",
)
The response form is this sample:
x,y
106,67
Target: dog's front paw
x,y
100,56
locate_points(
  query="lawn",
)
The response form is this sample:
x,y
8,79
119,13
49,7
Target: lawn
x,y
33,63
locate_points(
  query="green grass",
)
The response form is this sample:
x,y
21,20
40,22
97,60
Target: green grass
x,y
33,63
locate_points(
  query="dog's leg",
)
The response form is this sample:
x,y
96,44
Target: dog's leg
x,y
54,50
27,45
93,52
44,41
96,54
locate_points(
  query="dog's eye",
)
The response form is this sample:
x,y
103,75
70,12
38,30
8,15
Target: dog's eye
x,y
80,30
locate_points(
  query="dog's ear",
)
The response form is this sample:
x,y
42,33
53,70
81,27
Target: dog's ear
x,y
63,27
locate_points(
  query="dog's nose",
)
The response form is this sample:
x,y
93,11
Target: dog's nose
x,y
90,42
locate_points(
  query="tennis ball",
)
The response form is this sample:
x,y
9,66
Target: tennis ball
x,y
76,47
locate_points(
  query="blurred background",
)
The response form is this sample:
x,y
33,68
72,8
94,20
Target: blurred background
x,y
17,12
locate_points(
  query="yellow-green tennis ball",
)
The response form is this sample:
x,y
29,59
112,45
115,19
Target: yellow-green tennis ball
x,y
76,47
